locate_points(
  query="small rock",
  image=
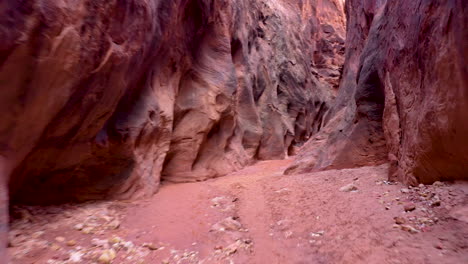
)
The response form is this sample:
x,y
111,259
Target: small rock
x,y
283,190
128,245
410,229
409,207
438,184
348,188
438,246
78,227
60,239
54,247
114,224
75,257
87,230
421,185
399,220
114,240
425,221
317,234
99,242
404,190
435,203
231,249
107,256
150,246
71,243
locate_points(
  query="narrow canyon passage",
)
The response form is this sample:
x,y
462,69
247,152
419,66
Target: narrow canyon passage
x,y
233,131
257,215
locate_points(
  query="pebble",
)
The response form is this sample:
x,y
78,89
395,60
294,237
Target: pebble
x,y
60,239
75,257
399,220
409,207
87,230
114,240
71,243
410,229
150,246
404,190
114,224
435,201
78,227
128,245
107,256
317,234
438,184
99,242
55,247
348,188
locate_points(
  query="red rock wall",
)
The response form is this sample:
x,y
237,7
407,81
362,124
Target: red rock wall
x,y
426,84
404,86
101,99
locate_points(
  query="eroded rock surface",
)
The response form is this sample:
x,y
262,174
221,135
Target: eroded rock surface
x,y
403,93
101,98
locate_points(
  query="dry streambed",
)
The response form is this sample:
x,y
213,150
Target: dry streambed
x,y
256,215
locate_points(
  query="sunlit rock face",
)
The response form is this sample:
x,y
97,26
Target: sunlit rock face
x,y
403,95
103,99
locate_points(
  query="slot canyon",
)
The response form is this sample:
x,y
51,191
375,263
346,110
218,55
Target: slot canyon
x,y
233,131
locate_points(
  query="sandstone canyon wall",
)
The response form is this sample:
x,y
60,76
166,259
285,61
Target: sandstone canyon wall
x,y
403,95
100,99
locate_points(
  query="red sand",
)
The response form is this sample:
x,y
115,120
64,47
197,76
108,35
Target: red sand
x,y
276,219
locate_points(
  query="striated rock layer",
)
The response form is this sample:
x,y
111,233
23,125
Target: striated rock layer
x,y
404,86
102,99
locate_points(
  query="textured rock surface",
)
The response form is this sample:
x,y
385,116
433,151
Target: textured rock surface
x,y
101,98
404,82
349,139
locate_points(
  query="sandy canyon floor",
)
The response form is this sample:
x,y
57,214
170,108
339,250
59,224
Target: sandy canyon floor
x,y
256,215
